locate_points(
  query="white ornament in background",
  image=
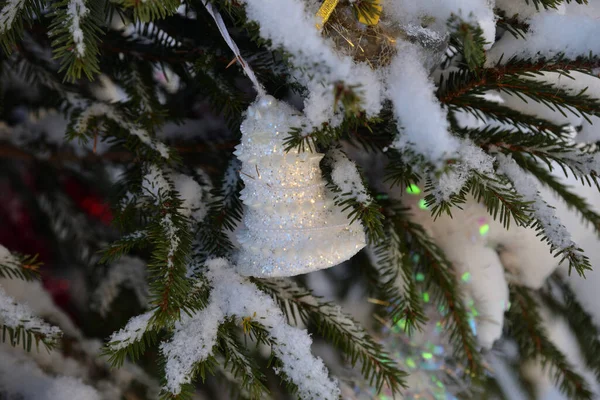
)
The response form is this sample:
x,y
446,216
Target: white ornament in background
x,y
291,224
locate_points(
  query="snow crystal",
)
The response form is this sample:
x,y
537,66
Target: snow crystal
x,y
8,14
6,257
345,175
422,121
233,295
14,315
76,10
131,333
25,380
577,36
527,187
281,21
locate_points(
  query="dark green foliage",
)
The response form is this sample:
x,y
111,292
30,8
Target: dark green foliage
x,y
376,366
26,337
72,63
441,281
526,327
469,41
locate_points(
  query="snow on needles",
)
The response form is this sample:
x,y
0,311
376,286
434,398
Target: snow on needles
x,y
14,315
76,10
345,175
556,232
131,333
288,24
233,295
9,12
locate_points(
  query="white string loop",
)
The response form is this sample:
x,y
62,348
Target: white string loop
x,y
223,29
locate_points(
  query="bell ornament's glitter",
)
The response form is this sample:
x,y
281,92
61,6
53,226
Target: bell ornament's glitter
x,y
291,224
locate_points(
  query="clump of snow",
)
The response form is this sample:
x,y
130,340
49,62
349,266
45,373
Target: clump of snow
x,y
472,158
577,36
414,12
233,295
281,21
76,11
422,120
131,333
20,379
8,13
15,315
345,176
193,195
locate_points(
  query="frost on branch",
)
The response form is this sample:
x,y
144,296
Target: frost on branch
x,y
9,12
131,333
234,296
555,232
20,322
76,11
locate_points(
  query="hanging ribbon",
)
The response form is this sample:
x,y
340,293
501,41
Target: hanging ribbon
x,y
223,29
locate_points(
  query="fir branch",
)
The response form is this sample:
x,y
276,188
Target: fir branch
x,y
499,197
514,78
132,340
243,368
546,4
20,327
16,266
75,33
441,280
397,279
348,185
572,200
581,322
544,219
526,327
468,39
376,365
150,10
12,16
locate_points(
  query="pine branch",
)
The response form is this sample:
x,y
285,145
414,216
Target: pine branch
x,y
398,278
526,327
244,369
440,279
75,32
573,200
350,193
150,10
514,78
546,4
582,324
13,15
20,327
18,266
376,366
